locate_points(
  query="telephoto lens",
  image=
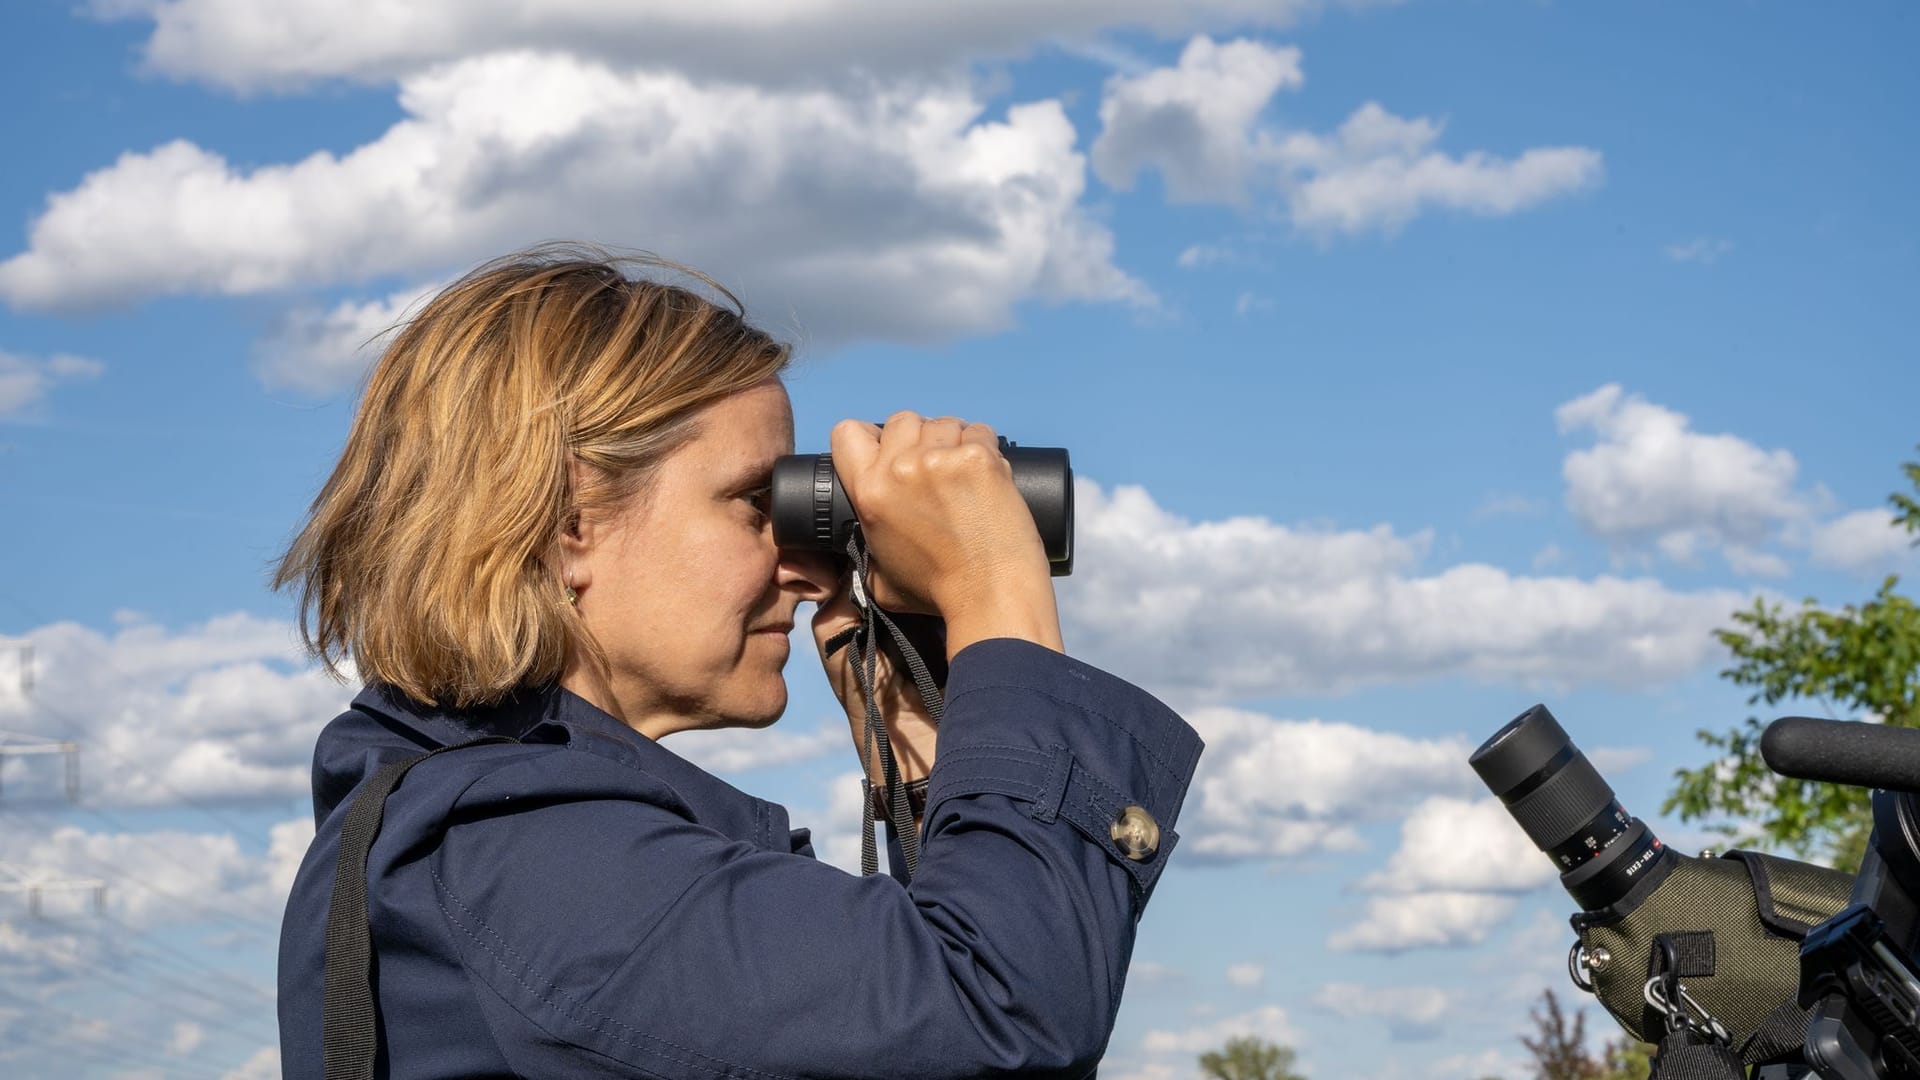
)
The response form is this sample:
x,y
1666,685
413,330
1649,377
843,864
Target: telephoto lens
x,y
810,510
1566,809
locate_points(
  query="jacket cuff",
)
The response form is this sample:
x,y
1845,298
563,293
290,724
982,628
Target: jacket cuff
x,y
1065,739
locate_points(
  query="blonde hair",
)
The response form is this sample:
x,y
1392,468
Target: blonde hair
x,y
430,558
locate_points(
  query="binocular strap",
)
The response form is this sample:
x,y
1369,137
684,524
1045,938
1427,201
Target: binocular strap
x,y
864,641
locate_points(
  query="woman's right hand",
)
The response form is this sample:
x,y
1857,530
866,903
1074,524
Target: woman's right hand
x,y
947,529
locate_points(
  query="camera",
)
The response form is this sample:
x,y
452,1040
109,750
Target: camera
x,y
810,510
1700,954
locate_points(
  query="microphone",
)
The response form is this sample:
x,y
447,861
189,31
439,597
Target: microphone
x,y
1843,752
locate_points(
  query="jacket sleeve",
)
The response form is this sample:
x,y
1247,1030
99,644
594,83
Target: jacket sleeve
x,y
623,933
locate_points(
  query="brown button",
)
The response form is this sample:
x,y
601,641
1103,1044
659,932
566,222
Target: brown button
x,y
1136,834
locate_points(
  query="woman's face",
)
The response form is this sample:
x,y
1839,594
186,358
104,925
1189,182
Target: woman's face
x,y
685,590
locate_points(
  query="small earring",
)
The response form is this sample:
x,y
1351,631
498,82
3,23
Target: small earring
x,y
572,596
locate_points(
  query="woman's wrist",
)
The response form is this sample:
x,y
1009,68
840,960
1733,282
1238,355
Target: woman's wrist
x,y
1029,616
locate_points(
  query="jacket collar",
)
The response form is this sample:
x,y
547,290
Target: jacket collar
x,y
553,714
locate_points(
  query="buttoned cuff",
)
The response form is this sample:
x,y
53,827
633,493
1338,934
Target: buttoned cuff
x,y
1068,741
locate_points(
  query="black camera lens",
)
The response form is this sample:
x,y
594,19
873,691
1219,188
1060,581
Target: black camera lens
x,y
810,511
1566,809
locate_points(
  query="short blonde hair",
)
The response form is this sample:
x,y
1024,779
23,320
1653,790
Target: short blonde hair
x,y
430,558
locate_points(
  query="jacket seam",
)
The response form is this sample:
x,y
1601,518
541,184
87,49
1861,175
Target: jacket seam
x,y
1152,752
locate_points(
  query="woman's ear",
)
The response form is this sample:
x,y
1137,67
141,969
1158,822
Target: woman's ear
x,y
581,533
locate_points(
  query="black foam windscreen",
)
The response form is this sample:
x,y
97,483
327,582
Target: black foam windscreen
x,y
1843,752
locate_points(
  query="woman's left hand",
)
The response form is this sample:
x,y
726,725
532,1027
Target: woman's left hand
x,y
909,726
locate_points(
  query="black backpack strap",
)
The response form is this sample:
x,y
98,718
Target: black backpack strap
x,y
349,1031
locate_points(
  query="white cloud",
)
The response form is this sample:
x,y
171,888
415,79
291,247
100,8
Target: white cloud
x,y
736,750
1548,557
236,44
1651,480
1248,303
320,351
1198,124
1461,845
1503,1064
187,1037
1379,171
836,833
1704,249
1863,542
1396,923
1267,1022
25,381
1196,256
1191,121
1246,976
1270,789
1244,607
263,1065
1412,1013
160,876
895,212
225,709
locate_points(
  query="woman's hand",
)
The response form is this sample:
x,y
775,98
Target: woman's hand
x,y
909,726
947,529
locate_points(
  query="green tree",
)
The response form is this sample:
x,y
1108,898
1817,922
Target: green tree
x,y
1249,1058
1860,660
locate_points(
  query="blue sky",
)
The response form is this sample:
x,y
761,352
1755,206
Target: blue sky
x,y
1418,362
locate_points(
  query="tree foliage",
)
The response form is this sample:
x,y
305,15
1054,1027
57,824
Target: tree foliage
x,y
1559,1048
1862,660
1249,1058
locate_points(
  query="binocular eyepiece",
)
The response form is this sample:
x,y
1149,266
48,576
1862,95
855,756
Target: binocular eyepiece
x,y
810,510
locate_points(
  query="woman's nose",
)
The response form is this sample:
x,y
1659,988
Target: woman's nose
x,y
813,575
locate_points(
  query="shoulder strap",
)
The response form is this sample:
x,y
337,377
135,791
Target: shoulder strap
x,y
349,1032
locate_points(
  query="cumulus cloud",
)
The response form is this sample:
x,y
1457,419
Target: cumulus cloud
x,y
322,350
1246,607
1650,480
1378,171
1863,542
1268,1022
1450,844
231,43
1271,789
1400,922
263,1065
187,1036
161,876
1246,976
1198,123
25,381
1191,121
1704,249
1454,877
897,213
1412,1013
225,709
735,750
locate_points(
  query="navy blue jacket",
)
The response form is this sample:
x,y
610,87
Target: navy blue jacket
x,y
586,903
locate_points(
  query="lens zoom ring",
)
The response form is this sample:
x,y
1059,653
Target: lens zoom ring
x,y
1553,811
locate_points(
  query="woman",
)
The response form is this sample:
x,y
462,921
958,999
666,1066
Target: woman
x,y
548,528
